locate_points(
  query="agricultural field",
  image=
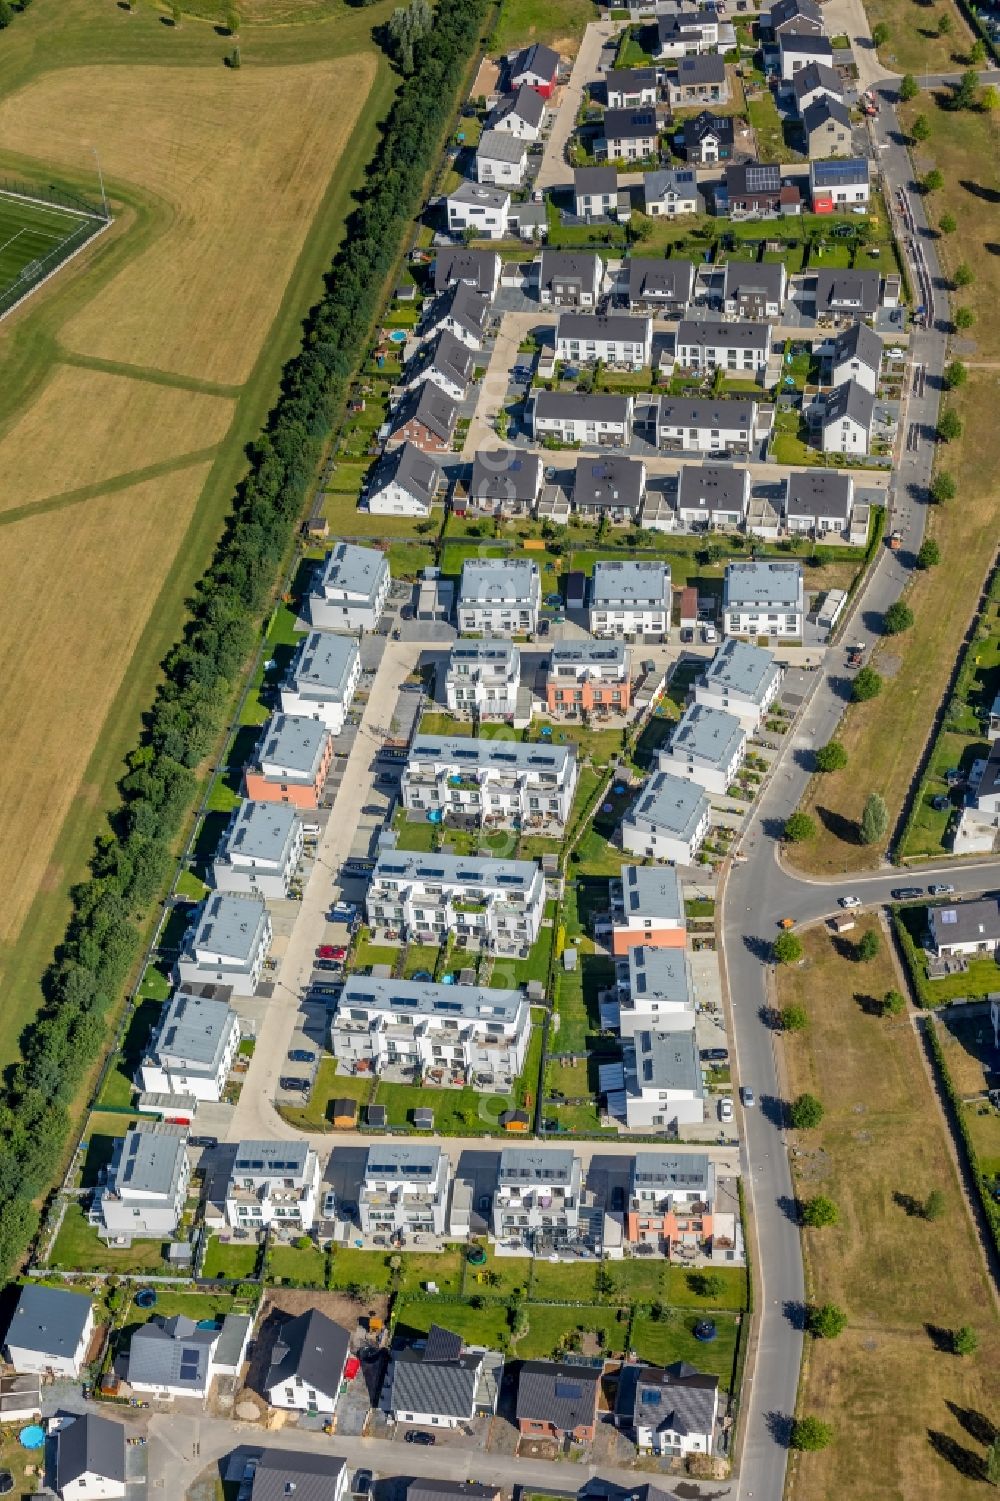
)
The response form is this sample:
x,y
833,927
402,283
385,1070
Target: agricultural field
x,y
153,358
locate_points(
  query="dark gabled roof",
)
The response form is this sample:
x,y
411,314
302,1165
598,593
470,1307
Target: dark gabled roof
x,y
477,267
442,1344
537,59
711,488
753,180
446,353
805,41
595,180
312,1347
679,1399
464,305
171,1352
621,80
439,1388
568,265
90,1445
563,1395
706,68
282,1473
847,289
825,107
816,75
671,280
714,333
978,921
630,124
49,1320
850,400
819,492
449,1490
704,124
765,277
506,474
416,472
527,103
788,10
861,343
612,481
429,406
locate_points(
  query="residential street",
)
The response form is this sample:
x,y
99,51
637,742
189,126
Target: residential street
x,y
554,171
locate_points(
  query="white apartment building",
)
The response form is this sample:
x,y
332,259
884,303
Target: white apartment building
x,y
322,679
708,746
260,850
496,904
740,349
473,205
498,781
669,820
499,596
819,501
352,589
705,425
653,989
227,944
763,599
273,1183
742,679
630,599
461,1032
146,1187
584,676
712,497
612,338
501,159
536,1202
647,909
482,678
576,417
192,1048
404,1190
661,1085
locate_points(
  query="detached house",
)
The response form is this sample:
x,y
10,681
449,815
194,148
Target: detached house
x,y
520,114
558,1401
754,290
575,417
501,596
630,88
481,208
856,355
595,192
847,420
282,1473
668,821
614,339
50,1330
684,33
668,194
708,139
965,928
192,1048
568,279
307,1364
813,82
273,1183
425,417
227,943
172,1357
90,1459
479,269
146,1187
630,599
322,679
708,746
506,482
587,677
698,80
712,497
826,125
797,49
763,598
837,186
538,68
291,762
406,482
351,590
664,287
739,348
742,679
629,134
669,1412
501,159
440,1383
482,678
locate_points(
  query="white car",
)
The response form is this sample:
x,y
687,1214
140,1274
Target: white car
x,y
725,1110
850,901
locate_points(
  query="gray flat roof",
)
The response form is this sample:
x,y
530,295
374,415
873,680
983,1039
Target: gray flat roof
x,y
497,755
615,480
501,146
269,1159
652,891
149,1160
493,580
401,1159
424,998
194,1028
358,571
743,669
578,406
323,664
583,653
48,1320
493,652
455,870
673,804
713,487
506,474
231,924
683,1171
668,1060
262,831
659,973
631,584
536,1165
820,492
711,333
751,585
481,194
708,735
294,743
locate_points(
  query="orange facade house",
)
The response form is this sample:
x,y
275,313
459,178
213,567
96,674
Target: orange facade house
x,y
588,677
291,762
647,909
670,1201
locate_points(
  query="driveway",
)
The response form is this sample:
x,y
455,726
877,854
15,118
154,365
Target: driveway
x,y
493,387
554,170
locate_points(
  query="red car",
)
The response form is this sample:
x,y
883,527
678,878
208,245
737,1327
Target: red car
x,y
338,952
327,951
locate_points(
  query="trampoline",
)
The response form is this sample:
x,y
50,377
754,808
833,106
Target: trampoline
x,y
145,1298
704,1331
619,789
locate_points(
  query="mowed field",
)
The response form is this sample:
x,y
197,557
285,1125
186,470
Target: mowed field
x,y
132,383
903,1408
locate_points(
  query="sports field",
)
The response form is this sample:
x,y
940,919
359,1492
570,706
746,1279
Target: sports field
x,y
33,239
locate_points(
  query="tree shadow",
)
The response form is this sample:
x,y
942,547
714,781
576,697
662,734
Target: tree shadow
x,y
770,1017
760,948
980,190
966,1461
845,949
942,1339
844,829
992,247
790,1208
773,828
795,1313
869,1004
773,1109
779,1426
914,1210
976,1424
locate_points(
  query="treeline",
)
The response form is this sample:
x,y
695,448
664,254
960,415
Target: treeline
x,y
131,865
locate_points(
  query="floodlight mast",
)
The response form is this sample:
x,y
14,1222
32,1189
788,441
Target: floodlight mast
x,y
100,176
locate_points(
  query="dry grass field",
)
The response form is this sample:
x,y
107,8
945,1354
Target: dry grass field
x,y
108,426
85,581
241,165
902,1407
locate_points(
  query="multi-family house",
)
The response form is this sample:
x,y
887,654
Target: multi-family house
x,y
698,80
847,419
653,989
742,679
521,114
501,596
426,416
482,678
281,1473
668,820
50,1331
351,589
836,186
537,67
708,139
191,1049
498,780
854,294
307,1364
797,49
812,82
89,1459
672,192
712,497
660,286
671,1413
708,425
708,746
446,361
803,17
505,482
406,482
442,1383
580,417
630,599
686,31
451,1490
754,190
647,910
588,677
741,349
481,207
613,486
497,903
670,1201
595,192
826,126
763,598
658,1085
260,850
291,762
558,1402
322,679
630,88
569,278
404,1190
501,159
753,289
629,134
227,943
613,338
537,1199
818,502
461,310
479,269
856,355
146,1186
273,1183
478,1036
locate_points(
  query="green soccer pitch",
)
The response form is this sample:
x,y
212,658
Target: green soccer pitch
x,y
34,239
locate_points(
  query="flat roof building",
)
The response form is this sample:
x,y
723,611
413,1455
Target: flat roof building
x,y
291,762
741,679
352,588
227,943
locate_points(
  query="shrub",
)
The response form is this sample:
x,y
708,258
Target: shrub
x,y
943,487
955,375
810,1434
964,318
825,1320
893,1003
806,1112
831,757
929,555
866,685
874,819
819,1212
934,1205
908,87
965,1341
870,946
963,275
947,224
880,34
794,1018
921,128
799,828
934,181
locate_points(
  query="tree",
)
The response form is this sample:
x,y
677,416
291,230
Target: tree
x,y
993,1462
794,1018
819,1212
966,96
831,757
947,224
908,87
866,685
921,128
810,1434
934,181
929,555
787,948
943,487
944,24
965,1341
898,617
964,317
806,1112
934,1205
825,1320
6,14
991,99
874,819
963,275
955,375
232,20
799,828
893,1003
880,34
705,1284
869,946
977,53
949,424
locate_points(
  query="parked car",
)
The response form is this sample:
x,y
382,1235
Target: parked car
x,y
941,888
709,634
420,1438
687,635
301,1055
328,964
906,893
725,1109
715,1055
327,951
941,803
850,901
746,1095
300,1086
329,1205
203,1141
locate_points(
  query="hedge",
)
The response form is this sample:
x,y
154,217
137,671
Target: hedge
x,y
132,863
991,1208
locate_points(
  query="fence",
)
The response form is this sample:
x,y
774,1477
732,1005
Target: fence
x,y
56,197
37,272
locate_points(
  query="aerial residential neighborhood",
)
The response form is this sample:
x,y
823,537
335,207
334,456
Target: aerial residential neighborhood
x,y
501,952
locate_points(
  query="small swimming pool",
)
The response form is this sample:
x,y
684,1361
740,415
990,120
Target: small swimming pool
x,y
398,336
32,1437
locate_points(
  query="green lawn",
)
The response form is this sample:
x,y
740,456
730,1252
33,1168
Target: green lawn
x,y
549,1326
672,1338
366,1268
477,1326
328,1086
444,1268
232,1259
763,115
192,1305
788,445
457,1112
77,1248
512,1272
307,1267
564,1281
681,1294
576,1000
421,957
